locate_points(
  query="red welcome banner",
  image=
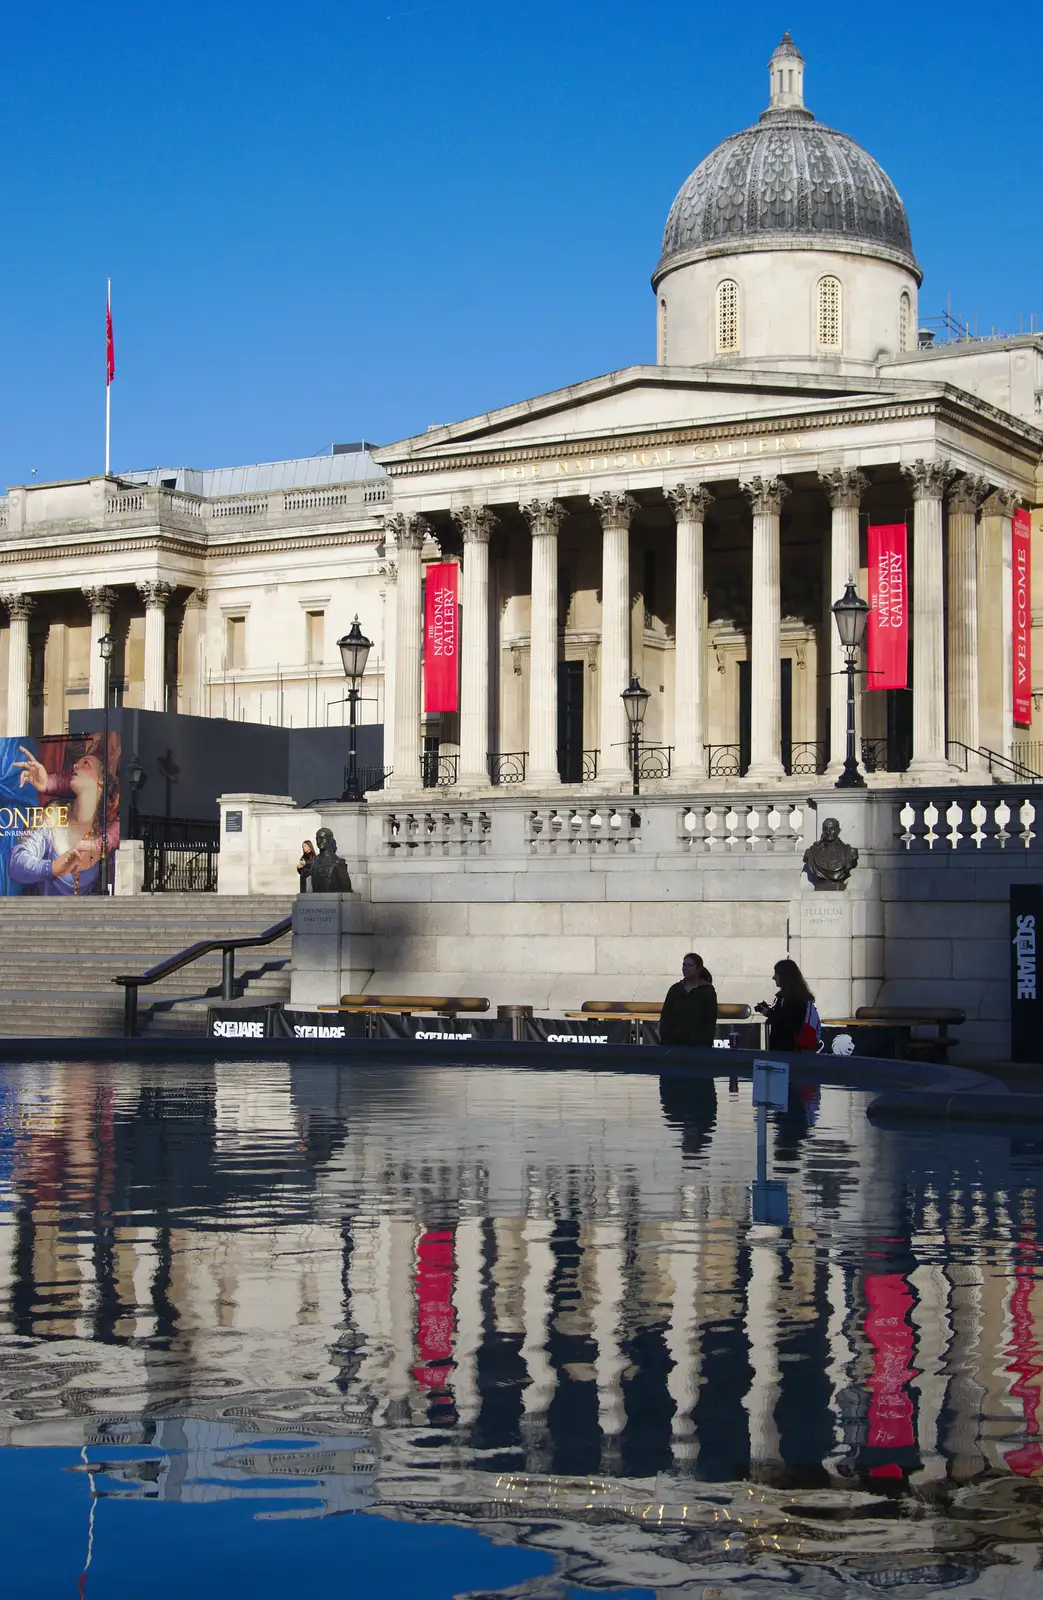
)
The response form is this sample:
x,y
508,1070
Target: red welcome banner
x,y
887,640
441,652
1021,556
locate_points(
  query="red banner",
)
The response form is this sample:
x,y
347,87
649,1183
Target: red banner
x,y
1021,555
887,640
441,637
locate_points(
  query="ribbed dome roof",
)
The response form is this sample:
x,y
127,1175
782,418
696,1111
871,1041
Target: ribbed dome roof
x,y
788,179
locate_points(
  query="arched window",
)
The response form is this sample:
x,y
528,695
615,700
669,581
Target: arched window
x,y
662,333
829,319
728,318
905,319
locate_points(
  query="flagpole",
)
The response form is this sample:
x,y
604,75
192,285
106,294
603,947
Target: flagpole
x,y
108,380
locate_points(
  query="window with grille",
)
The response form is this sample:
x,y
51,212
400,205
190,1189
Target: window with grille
x,y
829,314
728,317
905,317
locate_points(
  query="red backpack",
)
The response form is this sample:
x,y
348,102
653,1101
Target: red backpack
x,y
809,1034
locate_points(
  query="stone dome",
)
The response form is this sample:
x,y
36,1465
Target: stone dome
x,y
787,182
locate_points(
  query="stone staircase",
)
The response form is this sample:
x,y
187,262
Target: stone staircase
x,y
57,957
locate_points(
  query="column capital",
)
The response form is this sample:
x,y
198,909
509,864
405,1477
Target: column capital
x,y
101,600
929,479
19,606
615,510
690,501
155,594
765,494
1001,503
544,516
845,487
967,493
476,523
409,533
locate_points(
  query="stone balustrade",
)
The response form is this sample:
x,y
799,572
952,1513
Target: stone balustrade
x,y
737,827
70,507
981,822
582,830
447,831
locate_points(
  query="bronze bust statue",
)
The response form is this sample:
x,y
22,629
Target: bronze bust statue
x,y
329,874
829,862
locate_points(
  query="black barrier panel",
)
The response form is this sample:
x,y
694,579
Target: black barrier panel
x,y
438,1030
883,1043
318,1025
572,1030
239,1022
743,1035
1026,1004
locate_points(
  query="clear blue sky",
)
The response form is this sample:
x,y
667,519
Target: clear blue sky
x,y
333,221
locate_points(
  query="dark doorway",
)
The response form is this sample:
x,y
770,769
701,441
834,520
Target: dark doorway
x,y
786,709
570,721
899,729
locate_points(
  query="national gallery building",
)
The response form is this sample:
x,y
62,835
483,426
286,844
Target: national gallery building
x,y
688,524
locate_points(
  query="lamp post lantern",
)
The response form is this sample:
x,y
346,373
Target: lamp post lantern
x,y
852,615
106,647
135,780
354,653
635,699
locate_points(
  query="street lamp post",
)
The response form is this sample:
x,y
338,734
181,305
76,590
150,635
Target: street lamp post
x,y
635,699
106,646
852,614
354,653
135,780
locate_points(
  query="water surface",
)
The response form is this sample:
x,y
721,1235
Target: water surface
x,y
272,1328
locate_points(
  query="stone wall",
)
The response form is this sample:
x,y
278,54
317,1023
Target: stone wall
x,y
521,900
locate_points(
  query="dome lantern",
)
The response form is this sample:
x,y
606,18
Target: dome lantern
x,y
786,80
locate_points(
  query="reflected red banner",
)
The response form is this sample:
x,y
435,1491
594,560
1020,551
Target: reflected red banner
x,y
441,637
1021,560
890,1420
887,637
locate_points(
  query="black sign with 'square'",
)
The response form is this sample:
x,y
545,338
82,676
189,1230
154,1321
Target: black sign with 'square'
x,y
1026,997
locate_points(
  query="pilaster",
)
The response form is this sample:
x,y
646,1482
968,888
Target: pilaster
x,y
929,481
409,534
765,496
690,502
845,488
544,518
963,727
476,525
616,512
996,622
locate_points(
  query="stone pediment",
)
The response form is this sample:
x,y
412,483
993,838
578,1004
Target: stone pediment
x,y
639,399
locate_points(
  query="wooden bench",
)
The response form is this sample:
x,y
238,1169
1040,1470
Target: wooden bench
x,y
440,1005
934,1048
649,1010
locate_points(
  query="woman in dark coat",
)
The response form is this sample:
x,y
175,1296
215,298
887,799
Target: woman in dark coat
x,y
788,1011
689,1014
304,865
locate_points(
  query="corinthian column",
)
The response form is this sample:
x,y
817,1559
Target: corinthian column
x,y
102,603
476,525
544,519
965,496
929,480
690,502
616,512
409,533
845,488
155,596
765,496
19,610
996,619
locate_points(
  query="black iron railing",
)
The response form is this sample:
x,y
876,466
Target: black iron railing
x,y
590,765
180,854
577,766
438,771
806,757
132,983
371,779
507,766
963,755
654,760
885,755
724,761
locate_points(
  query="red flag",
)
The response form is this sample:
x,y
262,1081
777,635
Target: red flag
x,y
110,353
888,637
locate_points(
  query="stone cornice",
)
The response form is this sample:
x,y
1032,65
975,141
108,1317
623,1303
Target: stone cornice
x,y
976,419
73,546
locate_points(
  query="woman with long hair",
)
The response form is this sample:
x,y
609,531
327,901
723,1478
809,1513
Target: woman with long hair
x,y
792,1008
64,860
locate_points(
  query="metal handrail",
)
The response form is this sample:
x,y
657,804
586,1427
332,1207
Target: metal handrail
x,y
993,759
193,952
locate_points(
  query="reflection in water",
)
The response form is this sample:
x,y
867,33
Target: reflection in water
x,y
534,1304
